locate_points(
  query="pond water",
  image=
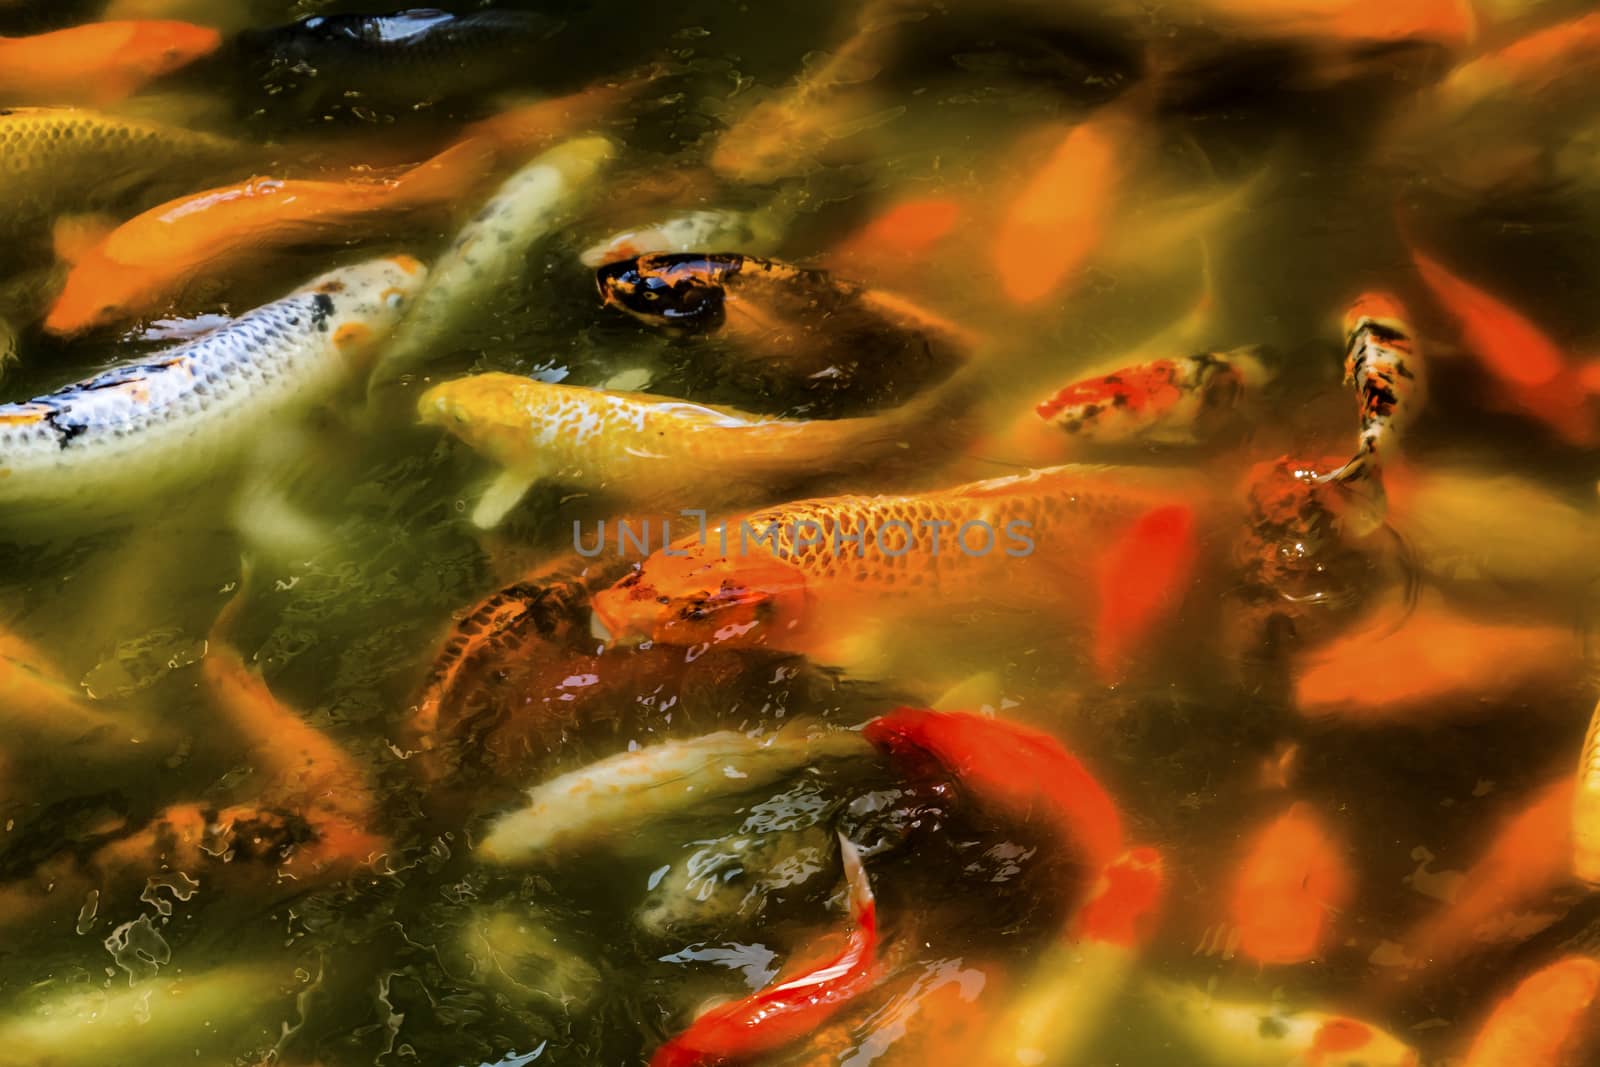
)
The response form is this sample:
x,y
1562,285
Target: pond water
x,y
277,667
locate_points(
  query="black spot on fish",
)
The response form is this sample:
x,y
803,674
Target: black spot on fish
x,y
321,311
1384,333
1273,1028
65,427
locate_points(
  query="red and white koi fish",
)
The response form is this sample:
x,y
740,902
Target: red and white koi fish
x,y
789,1011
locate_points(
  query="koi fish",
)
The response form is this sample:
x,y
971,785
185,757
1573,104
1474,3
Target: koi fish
x,y
1563,56
1586,807
1292,880
1531,374
792,327
1070,996
648,448
729,879
1545,1021
1233,1034
746,232
1018,773
886,560
490,251
146,263
897,240
784,134
170,419
68,159
1181,400
1438,661
1059,219
98,62
410,58
790,1010
1383,364
150,1020
619,794
1141,580
1529,856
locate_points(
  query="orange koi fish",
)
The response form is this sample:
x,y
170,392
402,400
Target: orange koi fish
x,y
1545,1022
1059,220
1586,807
1564,55
786,577
1438,662
97,63
1019,773
1532,373
1070,996
789,1011
1141,579
144,264
1529,856
900,239
1293,877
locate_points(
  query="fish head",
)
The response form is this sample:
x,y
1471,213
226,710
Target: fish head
x,y
101,292
487,411
700,595
359,305
1372,307
677,290
161,47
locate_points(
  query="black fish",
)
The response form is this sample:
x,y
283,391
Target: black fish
x,y
401,61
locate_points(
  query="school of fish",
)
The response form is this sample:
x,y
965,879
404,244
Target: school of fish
x,y
833,537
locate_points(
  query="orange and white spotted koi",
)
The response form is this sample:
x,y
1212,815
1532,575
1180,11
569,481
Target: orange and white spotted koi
x,y
174,417
1164,401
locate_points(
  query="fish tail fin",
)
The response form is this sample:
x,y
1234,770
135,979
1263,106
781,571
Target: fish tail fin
x,y
863,905
1142,578
1364,506
448,176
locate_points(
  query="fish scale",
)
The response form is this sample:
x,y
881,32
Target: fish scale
x,y
54,159
169,419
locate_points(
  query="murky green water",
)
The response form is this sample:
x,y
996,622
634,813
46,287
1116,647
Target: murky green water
x,y
1269,169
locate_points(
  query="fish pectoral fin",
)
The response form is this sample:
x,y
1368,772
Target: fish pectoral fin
x,y
974,693
501,495
74,236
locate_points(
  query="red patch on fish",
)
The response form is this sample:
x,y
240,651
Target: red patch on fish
x,y
1021,773
1150,388
1141,579
1335,1036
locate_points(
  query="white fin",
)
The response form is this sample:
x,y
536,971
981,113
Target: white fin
x,y
503,494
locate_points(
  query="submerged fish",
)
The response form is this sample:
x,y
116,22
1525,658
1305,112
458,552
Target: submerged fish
x,y
1384,365
1530,374
1166,401
788,1011
146,263
1586,807
406,59
490,252
1071,992
98,62
1547,1021
791,327
1266,1035
731,878
1018,773
60,159
746,232
811,575
172,418
620,795
1292,882
656,450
